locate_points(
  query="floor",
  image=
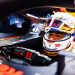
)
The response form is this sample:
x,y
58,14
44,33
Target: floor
x,y
69,68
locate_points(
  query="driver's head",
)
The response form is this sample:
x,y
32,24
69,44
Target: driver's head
x,y
56,35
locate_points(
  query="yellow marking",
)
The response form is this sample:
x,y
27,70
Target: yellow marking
x,y
51,53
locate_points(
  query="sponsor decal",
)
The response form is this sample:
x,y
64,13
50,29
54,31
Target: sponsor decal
x,y
7,70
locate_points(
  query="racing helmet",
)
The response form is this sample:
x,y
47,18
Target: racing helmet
x,y
54,41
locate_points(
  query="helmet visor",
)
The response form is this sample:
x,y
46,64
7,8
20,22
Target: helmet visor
x,y
57,36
